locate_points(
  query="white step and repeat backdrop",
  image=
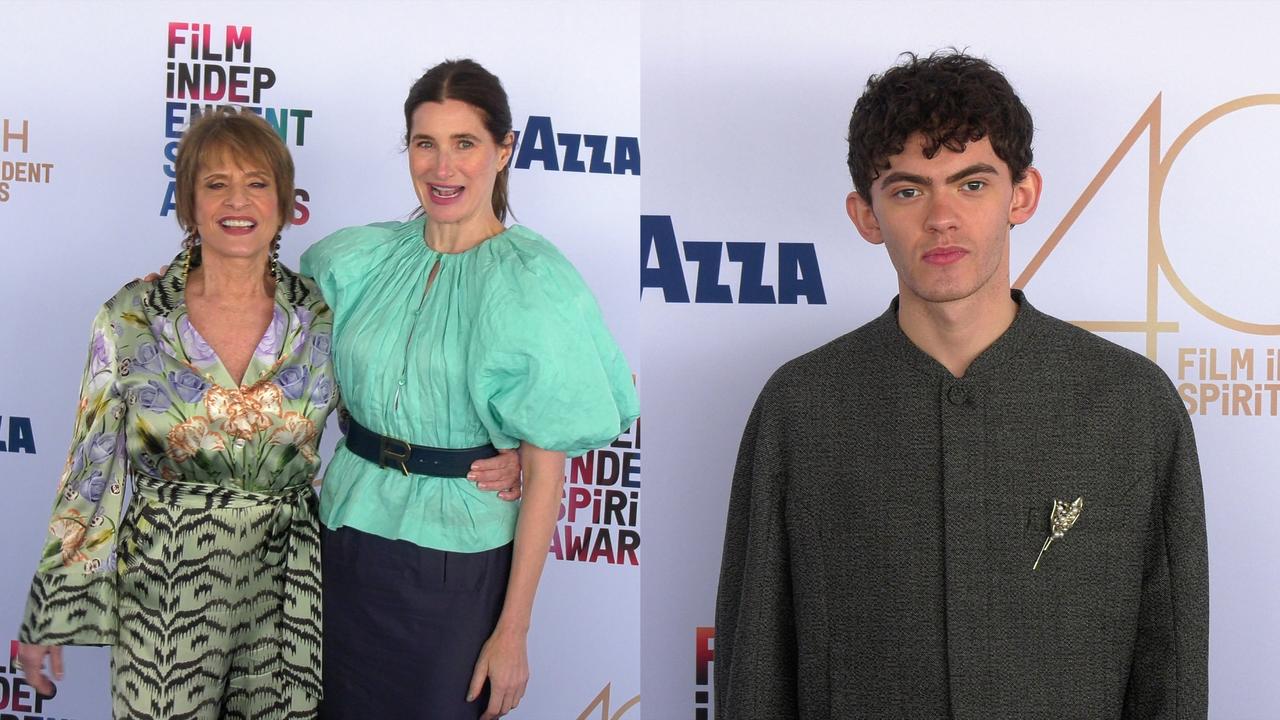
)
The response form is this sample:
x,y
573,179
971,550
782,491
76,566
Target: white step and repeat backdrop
x,y
730,253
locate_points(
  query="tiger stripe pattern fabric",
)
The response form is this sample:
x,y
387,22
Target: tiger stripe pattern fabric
x,y
208,586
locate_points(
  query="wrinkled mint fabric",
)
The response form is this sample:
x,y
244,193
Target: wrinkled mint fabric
x,y
507,345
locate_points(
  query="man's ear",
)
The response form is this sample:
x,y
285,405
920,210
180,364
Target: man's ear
x,y
1026,196
863,217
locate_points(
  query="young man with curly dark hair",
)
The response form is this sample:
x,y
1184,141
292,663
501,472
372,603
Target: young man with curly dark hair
x,y
964,508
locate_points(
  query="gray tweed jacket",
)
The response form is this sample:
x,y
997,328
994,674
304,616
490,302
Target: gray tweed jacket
x,y
885,516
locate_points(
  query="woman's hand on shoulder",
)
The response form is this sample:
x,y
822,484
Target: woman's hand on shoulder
x,y
500,473
504,661
152,277
32,659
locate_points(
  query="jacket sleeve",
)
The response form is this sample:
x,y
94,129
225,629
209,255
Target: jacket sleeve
x,y
73,597
755,646
1169,676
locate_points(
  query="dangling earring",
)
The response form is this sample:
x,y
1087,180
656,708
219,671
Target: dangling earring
x,y
274,266
189,244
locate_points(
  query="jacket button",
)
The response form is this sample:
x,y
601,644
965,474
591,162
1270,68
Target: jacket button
x,y
957,395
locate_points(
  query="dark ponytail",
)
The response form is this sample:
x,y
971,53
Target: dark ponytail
x,y
467,81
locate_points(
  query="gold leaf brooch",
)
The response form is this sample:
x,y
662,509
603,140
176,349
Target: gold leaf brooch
x,y
1061,518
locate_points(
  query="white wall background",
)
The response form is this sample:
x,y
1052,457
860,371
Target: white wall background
x,y
742,110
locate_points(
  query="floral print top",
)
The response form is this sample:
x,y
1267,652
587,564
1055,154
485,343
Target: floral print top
x,y
156,402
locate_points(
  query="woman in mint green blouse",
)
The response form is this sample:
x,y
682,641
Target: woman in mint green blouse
x,y
452,331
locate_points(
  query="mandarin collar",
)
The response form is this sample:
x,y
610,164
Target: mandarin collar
x,y
1026,323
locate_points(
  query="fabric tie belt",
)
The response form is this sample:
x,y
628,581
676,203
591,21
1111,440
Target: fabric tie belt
x,y
409,458
292,543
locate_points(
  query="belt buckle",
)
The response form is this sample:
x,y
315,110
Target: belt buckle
x,y
395,450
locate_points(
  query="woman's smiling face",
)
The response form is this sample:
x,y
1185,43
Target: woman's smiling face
x,y
454,163
236,208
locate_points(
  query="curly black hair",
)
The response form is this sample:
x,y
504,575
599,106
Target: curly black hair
x,y
950,98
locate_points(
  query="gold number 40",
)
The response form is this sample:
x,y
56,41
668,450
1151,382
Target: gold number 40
x,y
1157,258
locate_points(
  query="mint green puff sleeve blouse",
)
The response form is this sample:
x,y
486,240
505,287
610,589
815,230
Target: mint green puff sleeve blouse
x,y
507,345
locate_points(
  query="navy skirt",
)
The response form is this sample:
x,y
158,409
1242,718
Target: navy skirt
x,y
403,626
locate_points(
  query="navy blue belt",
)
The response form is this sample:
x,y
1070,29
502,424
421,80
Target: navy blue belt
x,y
409,458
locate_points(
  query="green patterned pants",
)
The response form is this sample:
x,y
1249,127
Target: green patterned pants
x,y
219,605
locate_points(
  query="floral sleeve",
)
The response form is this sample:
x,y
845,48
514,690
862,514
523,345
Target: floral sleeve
x,y
72,600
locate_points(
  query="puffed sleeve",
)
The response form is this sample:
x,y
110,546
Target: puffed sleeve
x,y
333,260
73,600
1169,677
544,369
